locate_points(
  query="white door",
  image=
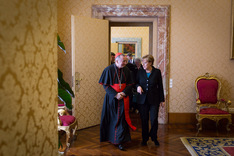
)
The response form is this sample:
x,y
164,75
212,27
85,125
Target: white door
x,y
90,55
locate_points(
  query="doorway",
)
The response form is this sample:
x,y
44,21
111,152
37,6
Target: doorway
x,y
139,34
160,47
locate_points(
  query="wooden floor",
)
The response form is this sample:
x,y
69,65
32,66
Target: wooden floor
x,y
87,142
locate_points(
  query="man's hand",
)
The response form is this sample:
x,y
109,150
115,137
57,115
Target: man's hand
x,y
119,96
122,93
139,90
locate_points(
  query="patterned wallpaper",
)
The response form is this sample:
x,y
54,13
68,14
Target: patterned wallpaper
x,y
199,43
28,78
133,32
114,48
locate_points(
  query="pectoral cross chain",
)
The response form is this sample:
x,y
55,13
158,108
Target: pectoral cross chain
x,y
119,77
120,85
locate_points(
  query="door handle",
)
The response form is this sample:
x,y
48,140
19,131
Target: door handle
x,y
77,81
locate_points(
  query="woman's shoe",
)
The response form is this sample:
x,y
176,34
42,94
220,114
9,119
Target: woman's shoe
x,y
156,143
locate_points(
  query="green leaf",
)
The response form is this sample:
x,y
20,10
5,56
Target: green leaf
x,y
64,85
60,44
65,97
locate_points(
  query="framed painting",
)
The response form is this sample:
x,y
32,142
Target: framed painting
x,y
126,45
129,48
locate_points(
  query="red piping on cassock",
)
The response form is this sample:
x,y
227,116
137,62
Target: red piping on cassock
x,y
117,88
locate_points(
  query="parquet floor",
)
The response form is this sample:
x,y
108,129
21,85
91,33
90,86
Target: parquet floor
x,y
87,142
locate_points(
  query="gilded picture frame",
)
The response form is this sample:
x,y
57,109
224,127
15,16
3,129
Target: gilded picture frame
x,y
232,31
125,40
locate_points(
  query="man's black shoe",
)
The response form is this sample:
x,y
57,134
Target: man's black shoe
x,y
120,146
156,143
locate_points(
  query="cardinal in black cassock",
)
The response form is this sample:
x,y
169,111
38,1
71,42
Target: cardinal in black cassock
x,y
115,121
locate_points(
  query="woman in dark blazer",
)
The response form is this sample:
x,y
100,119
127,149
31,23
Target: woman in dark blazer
x,y
150,88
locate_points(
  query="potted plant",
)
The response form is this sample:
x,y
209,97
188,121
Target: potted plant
x,y
65,92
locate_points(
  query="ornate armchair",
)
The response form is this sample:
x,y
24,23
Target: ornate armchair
x,y
209,104
67,123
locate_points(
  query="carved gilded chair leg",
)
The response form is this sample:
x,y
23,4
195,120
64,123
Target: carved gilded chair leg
x,y
199,124
199,127
67,138
197,133
75,129
75,132
200,121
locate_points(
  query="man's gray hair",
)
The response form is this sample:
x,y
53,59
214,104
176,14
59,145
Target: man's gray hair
x,y
137,60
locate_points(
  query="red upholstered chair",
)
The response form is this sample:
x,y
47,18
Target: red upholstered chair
x,y
209,104
67,123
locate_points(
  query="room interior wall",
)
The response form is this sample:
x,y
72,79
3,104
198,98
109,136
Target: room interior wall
x,y
114,47
28,78
133,32
199,43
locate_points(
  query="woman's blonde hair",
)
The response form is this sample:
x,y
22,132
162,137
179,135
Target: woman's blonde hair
x,y
149,58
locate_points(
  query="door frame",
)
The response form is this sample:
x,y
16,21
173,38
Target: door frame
x,y
161,13
135,24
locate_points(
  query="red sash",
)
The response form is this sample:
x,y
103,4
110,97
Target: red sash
x,y
117,88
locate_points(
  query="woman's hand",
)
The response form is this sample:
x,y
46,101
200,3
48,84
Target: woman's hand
x,y
139,90
162,104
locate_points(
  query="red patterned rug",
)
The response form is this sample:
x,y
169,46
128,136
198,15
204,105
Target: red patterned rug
x,y
204,146
229,149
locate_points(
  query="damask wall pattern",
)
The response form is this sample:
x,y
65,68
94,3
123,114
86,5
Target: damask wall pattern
x,y
28,78
133,32
199,43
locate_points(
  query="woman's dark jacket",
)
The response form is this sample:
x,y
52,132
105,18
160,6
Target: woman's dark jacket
x,y
152,86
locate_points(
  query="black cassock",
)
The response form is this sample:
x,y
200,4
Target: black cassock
x,y
115,122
